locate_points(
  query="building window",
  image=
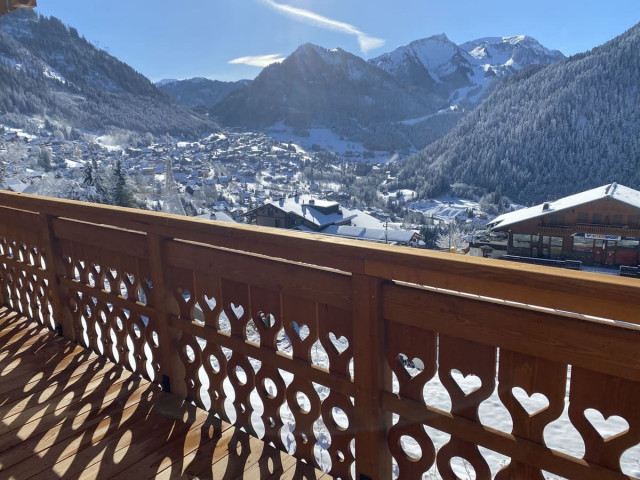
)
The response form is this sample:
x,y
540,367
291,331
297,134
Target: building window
x,y
597,218
521,241
581,244
551,247
629,243
617,219
583,217
633,221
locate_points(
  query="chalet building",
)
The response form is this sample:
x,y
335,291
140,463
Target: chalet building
x,y
598,227
302,211
308,214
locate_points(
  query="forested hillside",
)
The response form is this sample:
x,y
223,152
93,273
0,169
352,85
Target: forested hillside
x,y
333,88
200,93
545,132
49,71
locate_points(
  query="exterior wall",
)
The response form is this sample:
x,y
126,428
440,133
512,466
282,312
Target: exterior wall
x,y
602,217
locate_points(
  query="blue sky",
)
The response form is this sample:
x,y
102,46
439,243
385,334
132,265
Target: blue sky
x,y
225,39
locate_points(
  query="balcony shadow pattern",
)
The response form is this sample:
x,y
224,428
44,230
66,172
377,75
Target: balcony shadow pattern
x,y
68,413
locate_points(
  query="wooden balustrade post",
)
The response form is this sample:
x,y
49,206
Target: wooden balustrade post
x,y
372,376
172,370
54,271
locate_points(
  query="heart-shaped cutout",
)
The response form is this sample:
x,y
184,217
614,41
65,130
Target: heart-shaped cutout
x,y
210,302
467,383
606,428
238,310
412,366
266,319
533,404
340,343
301,330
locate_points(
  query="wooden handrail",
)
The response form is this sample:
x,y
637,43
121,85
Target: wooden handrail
x,y
578,292
336,333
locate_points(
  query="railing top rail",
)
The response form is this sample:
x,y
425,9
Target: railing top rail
x,y
604,296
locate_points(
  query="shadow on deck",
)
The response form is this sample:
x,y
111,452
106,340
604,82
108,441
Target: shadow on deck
x,y
67,413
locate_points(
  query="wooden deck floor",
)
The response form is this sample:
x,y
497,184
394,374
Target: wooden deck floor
x,y
67,413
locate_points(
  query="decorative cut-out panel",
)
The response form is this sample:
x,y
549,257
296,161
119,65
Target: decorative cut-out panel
x,y
23,281
236,366
107,299
607,417
502,403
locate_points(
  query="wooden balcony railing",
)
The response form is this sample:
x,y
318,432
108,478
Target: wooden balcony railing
x,y
270,328
7,6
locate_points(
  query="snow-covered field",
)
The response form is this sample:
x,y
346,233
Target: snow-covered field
x,y
326,139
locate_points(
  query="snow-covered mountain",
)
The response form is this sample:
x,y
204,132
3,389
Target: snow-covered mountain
x,y
580,115
317,86
457,72
49,71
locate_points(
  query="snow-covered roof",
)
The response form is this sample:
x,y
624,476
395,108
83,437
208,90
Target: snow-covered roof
x,y
371,234
614,191
304,207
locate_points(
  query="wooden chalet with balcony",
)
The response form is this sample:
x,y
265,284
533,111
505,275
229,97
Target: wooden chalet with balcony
x,y
597,227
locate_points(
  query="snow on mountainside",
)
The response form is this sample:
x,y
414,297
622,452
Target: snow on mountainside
x,y
462,71
48,70
514,53
317,86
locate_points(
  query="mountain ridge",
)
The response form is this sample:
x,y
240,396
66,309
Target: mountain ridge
x,y
49,71
578,118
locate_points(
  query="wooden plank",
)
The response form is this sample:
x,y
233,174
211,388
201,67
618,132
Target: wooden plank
x,y
54,272
581,292
197,449
53,393
604,296
209,454
174,454
89,421
601,346
371,422
312,283
20,330
102,237
139,442
61,426
70,457
37,382
519,449
275,358
48,359
170,363
271,465
248,458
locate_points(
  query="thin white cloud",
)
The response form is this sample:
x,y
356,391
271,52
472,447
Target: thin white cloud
x,y
259,60
365,41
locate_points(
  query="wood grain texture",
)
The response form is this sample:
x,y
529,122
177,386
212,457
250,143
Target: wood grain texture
x,y
79,416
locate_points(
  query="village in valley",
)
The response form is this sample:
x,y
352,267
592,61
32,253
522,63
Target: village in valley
x,y
229,176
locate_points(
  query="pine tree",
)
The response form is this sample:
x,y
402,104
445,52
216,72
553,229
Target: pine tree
x,y
121,194
88,180
3,172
